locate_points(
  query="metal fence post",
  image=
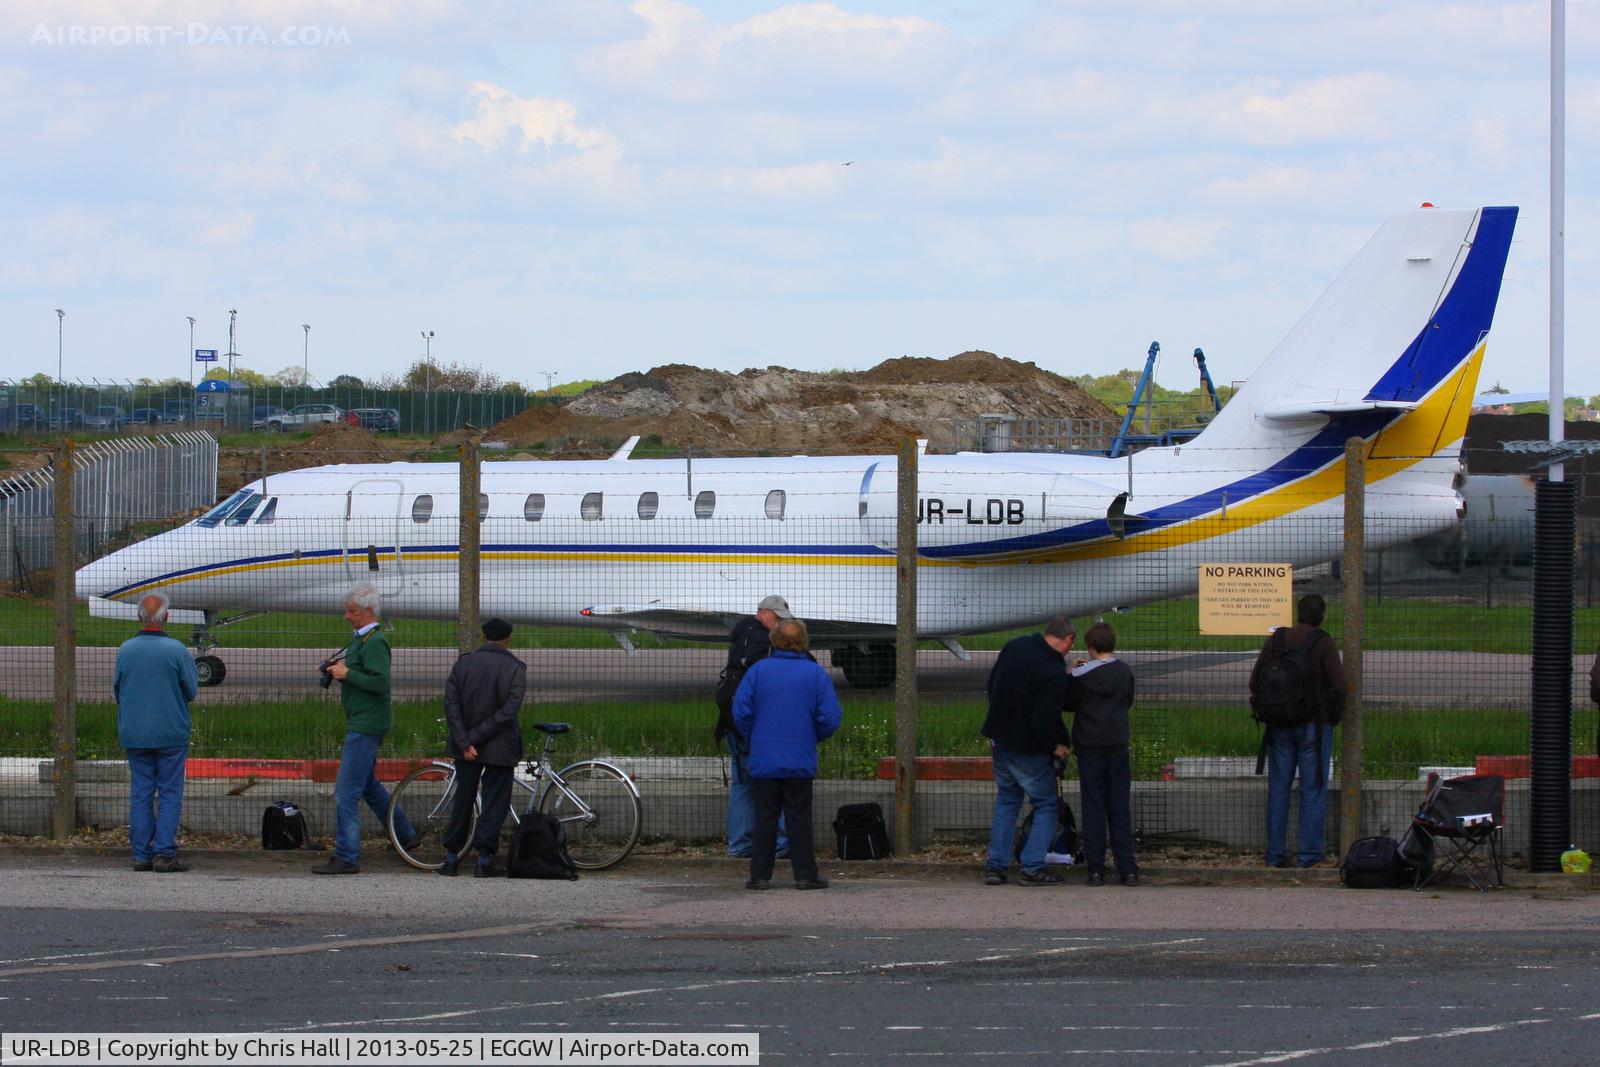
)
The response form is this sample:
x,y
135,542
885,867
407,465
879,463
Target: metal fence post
x,y
64,775
467,637
905,650
1352,770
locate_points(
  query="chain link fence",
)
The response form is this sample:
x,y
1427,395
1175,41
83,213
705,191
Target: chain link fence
x,y
624,578
119,408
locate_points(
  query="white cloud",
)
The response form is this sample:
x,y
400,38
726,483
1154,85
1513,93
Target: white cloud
x,y
539,121
1176,240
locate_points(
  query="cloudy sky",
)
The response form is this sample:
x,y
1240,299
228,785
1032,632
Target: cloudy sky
x,y
585,188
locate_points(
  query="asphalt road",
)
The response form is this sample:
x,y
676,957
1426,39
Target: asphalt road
x,y
1453,679
890,964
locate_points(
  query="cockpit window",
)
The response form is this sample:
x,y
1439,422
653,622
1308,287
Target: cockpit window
x,y
268,513
242,513
220,512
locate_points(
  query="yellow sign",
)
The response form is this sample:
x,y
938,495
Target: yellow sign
x,y
1245,598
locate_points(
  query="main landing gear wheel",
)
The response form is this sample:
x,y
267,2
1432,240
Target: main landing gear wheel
x,y
210,669
872,668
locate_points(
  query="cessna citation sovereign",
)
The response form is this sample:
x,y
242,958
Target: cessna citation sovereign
x,y
1390,353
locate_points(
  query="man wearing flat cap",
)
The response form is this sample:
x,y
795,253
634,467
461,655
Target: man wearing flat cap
x,y
481,701
749,642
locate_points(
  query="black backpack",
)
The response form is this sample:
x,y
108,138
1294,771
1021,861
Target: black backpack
x,y
1373,863
1284,693
1065,842
539,849
862,833
283,827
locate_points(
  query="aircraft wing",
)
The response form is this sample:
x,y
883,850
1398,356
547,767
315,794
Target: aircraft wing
x,y
691,621
101,608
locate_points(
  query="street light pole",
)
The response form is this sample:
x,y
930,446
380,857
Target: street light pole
x,y
190,360
427,401
305,369
233,317
61,381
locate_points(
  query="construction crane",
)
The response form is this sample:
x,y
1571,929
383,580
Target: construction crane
x,y
1124,440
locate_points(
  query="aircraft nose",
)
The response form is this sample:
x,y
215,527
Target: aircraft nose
x,y
98,578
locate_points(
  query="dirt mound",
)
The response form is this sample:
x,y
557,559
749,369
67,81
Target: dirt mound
x,y
785,411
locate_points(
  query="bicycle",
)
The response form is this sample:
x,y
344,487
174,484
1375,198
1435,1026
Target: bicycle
x,y
597,802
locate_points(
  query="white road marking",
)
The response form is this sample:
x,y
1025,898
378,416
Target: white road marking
x,y
1400,1039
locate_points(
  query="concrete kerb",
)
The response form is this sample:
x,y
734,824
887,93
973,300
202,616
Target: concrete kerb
x,y
913,868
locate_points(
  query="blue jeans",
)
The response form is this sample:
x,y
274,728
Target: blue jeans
x,y
742,804
1292,751
155,800
358,781
1105,787
1017,773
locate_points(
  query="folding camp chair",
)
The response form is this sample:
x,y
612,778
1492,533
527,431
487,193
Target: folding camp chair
x,y
1461,819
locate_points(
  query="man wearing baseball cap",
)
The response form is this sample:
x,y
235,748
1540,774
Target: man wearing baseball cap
x,y
749,642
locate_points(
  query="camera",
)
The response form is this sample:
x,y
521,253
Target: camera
x,y
327,676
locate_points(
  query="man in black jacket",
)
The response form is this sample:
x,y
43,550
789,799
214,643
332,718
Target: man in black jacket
x,y
1027,690
481,701
750,641
1099,695
1304,750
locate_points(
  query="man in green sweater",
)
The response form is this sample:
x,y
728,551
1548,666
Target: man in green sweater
x,y
363,676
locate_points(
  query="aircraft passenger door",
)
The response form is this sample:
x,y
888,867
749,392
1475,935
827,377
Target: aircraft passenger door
x,y
372,516
875,506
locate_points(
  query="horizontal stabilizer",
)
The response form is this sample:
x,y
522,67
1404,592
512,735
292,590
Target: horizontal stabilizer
x,y
1297,410
101,608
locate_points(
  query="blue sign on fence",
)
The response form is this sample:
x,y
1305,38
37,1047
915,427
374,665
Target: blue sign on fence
x,y
205,355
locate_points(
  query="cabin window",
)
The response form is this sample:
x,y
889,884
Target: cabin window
x,y
422,508
649,504
242,513
269,513
533,507
483,506
705,502
775,502
592,506
216,514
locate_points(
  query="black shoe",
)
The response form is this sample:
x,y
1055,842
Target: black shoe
x,y
1096,878
818,882
143,865
489,870
758,883
1039,877
449,868
1278,865
168,865
336,865
994,877
1131,879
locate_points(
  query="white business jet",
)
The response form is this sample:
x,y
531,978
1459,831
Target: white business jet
x,y
1390,353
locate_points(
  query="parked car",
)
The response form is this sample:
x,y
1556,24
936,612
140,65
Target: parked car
x,y
378,420
305,415
262,414
106,417
66,419
149,417
29,417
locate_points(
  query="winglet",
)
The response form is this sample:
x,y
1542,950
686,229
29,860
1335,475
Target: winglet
x,y
626,450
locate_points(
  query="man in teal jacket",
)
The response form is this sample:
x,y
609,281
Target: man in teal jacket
x,y
154,681
363,676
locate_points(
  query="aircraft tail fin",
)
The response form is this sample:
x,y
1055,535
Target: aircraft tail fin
x,y
1390,352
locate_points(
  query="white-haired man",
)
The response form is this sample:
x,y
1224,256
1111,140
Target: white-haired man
x,y
154,681
363,676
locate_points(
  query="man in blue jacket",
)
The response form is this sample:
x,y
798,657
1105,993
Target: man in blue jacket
x,y
154,681
1027,690
784,706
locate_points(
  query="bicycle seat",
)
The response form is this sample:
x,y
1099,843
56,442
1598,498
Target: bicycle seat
x,y
552,727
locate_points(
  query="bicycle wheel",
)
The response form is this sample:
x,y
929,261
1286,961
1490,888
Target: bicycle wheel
x,y
600,809
426,795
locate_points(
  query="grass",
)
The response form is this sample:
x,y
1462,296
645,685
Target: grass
x,y
1398,741
1393,625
